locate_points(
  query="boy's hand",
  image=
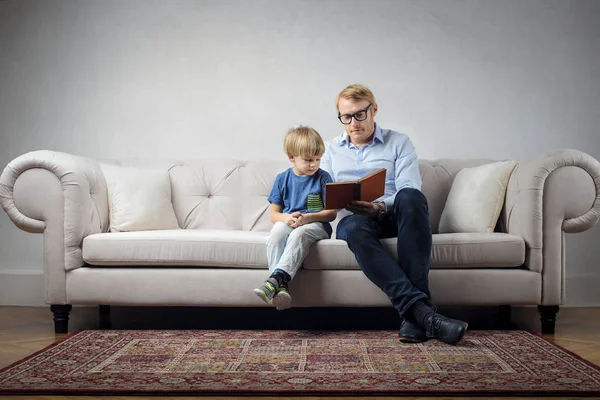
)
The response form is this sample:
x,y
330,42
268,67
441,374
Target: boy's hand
x,y
290,220
298,219
366,208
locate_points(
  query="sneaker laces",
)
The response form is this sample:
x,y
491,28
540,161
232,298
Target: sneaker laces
x,y
435,324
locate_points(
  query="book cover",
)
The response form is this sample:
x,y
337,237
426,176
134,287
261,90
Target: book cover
x,y
367,188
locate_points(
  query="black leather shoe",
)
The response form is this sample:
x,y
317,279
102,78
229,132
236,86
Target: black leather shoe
x,y
446,329
410,332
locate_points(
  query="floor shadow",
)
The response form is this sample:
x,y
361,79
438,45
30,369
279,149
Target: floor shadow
x,y
313,318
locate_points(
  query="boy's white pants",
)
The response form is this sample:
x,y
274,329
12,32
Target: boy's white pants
x,y
287,247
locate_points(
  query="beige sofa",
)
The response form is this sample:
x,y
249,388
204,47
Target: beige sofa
x,y
218,256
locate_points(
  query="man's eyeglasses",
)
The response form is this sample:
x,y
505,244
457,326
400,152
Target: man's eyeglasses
x,y
359,116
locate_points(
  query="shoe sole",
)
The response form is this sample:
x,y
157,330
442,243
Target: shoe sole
x,y
263,296
282,301
405,339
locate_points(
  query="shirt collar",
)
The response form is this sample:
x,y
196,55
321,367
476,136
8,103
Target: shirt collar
x,y
343,138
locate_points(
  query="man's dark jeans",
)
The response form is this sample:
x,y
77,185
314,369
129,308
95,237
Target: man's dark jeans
x,y
406,280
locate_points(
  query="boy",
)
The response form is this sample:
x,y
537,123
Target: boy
x,y
297,212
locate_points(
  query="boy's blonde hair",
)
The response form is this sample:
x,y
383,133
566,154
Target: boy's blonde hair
x,y
303,141
356,92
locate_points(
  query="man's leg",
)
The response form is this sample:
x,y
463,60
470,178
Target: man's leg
x,y
411,218
362,235
409,222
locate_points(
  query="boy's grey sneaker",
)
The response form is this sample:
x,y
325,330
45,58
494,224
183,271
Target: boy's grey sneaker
x,y
267,290
282,299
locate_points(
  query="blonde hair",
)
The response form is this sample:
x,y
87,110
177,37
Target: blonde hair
x,y
303,141
356,92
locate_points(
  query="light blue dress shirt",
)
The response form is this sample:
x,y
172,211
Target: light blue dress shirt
x,y
390,150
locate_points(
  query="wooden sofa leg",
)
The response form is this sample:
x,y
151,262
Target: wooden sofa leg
x,y
104,314
548,318
61,317
504,314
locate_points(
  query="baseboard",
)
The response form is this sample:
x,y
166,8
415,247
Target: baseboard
x,y
581,291
22,288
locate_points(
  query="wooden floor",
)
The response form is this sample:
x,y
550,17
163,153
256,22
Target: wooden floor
x,y
24,330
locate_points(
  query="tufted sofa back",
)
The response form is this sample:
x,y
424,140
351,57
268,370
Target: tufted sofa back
x,y
232,194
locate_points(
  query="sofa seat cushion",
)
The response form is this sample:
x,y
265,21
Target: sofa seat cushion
x,y
450,251
201,247
244,249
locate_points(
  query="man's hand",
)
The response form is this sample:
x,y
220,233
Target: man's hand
x,y
366,208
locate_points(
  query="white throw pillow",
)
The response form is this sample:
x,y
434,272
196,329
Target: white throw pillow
x,y
476,198
139,199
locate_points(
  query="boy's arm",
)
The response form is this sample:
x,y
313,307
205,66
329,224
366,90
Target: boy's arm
x,y
321,216
276,215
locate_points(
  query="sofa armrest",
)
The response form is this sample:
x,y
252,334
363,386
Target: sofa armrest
x,y
61,195
557,192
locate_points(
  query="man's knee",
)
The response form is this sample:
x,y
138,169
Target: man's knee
x,y
341,231
410,199
352,227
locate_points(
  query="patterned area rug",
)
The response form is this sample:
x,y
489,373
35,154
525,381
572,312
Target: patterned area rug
x,y
300,362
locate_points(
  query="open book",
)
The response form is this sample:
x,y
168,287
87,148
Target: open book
x,y
367,188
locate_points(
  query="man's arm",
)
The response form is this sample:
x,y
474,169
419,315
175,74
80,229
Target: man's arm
x,y
408,174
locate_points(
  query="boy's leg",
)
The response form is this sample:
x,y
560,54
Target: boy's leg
x,y
298,245
295,252
276,242
267,290
283,299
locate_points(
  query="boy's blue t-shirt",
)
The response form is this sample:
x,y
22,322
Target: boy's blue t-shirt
x,y
300,193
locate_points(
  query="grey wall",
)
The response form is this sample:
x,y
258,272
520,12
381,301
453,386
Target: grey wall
x,y
115,79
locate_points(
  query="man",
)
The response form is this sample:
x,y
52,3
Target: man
x,y
402,212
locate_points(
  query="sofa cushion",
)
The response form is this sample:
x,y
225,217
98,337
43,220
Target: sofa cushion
x,y
476,198
244,249
139,199
202,247
450,250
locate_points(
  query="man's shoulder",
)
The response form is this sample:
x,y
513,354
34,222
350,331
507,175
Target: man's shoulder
x,y
394,135
396,139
